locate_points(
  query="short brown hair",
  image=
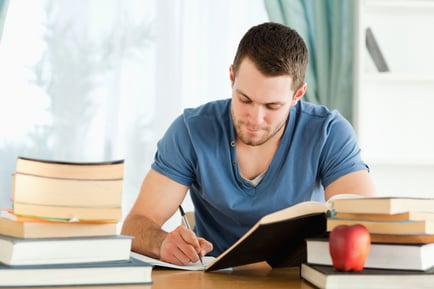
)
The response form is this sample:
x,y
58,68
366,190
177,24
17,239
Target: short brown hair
x,y
276,50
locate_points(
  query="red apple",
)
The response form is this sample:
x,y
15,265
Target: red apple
x,y
349,247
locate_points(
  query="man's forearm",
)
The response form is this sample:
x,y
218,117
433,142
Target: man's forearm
x,y
148,236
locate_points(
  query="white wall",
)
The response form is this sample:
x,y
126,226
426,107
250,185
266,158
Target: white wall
x,y
394,109
409,180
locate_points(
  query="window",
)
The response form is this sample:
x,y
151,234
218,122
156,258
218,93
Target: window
x,y
99,80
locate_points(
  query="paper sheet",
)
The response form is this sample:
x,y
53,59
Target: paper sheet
x,y
191,267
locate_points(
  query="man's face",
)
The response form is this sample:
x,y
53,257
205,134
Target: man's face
x,y
260,104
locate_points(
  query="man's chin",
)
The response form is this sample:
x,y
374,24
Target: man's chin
x,y
252,141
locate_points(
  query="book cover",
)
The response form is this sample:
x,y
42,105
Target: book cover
x,y
381,255
133,271
73,170
278,238
326,277
22,251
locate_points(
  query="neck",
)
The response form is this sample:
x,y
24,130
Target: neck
x,y
255,160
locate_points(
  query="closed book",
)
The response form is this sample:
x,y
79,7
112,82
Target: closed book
x,y
387,227
403,238
132,271
405,216
383,256
22,251
24,227
326,277
383,205
113,214
71,170
35,189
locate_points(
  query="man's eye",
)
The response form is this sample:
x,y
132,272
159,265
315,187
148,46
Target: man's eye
x,y
273,106
245,100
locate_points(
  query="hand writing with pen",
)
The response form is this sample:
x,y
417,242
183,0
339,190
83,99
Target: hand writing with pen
x,y
182,246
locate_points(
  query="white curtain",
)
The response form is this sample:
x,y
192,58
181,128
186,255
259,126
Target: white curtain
x,y
102,79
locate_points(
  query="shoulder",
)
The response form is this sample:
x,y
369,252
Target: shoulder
x,y
202,116
212,117
213,109
320,117
310,110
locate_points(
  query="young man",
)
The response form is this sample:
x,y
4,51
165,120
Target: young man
x,y
241,158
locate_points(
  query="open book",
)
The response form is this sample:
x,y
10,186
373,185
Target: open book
x,y
277,238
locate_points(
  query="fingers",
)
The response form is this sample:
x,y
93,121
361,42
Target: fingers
x,y
205,246
181,247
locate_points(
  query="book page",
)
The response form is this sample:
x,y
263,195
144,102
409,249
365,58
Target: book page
x,y
297,210
329,203
190,267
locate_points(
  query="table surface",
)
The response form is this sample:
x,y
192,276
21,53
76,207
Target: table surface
x,y
253,276
258,275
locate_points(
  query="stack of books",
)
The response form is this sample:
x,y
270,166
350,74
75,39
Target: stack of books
x,y
402,244
68,191
62,227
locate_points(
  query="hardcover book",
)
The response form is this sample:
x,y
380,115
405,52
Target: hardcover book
x,y
383,205
277,238
405,216
326,277
21,251
387,227
35,189
132,271
71,170
381,255
27,227
68,190
66,213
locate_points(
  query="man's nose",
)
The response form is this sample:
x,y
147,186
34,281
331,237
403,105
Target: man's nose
x,y
257,114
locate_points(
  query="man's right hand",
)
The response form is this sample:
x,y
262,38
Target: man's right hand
x,y
182,246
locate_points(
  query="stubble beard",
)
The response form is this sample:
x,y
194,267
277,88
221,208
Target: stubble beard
x,y
244,137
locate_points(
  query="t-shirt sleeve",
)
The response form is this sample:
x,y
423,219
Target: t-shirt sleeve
x,y
175,157
341,152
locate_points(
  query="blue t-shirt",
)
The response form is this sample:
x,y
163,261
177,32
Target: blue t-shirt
x,y
198,150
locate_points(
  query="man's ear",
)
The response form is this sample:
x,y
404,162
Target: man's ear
x,y
231,74
299,93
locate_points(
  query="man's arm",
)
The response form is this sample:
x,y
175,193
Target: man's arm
x,y
359,183
158,200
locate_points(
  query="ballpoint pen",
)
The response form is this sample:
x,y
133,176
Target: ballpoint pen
x,y
187,224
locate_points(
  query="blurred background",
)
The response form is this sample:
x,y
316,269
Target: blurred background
x,y
102,79
99,80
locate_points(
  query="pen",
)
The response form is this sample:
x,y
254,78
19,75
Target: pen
x,y
187,224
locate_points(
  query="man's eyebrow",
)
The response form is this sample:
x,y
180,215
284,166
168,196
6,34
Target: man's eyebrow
x,y
242,93
268,103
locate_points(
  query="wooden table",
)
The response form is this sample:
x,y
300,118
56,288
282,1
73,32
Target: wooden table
x,y
246,277
255,276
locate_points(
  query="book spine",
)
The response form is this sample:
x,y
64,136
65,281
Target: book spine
x,y
375,51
